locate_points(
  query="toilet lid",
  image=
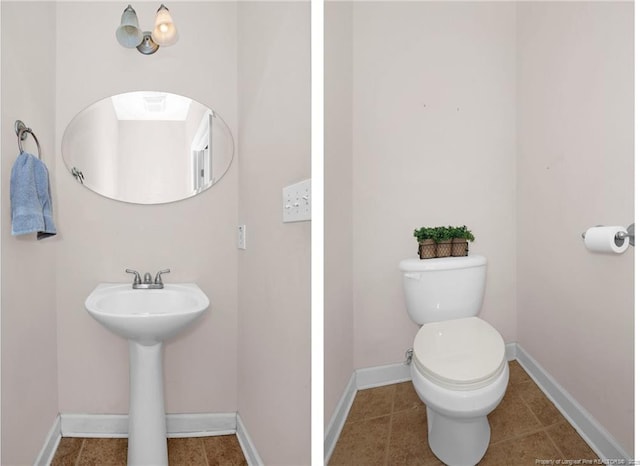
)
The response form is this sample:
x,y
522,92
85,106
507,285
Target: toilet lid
x,y
460,354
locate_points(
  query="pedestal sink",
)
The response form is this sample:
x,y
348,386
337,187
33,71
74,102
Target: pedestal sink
x,y
146,317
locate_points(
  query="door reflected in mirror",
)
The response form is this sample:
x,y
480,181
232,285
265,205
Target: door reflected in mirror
x,y
147,147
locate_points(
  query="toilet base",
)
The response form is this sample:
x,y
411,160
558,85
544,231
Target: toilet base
x,y
458,441
457,425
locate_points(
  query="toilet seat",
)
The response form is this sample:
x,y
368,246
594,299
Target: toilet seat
x,y
459,354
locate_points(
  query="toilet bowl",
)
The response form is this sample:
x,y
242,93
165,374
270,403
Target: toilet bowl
x,y
460,372
459,367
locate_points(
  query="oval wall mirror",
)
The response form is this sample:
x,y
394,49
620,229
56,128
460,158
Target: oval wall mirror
x,y
147,147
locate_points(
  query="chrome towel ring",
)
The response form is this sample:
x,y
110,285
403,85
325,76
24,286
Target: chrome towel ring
x,y
21,131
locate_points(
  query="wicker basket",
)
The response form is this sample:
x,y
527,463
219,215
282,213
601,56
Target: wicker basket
x,y
444,249
427,249
459,247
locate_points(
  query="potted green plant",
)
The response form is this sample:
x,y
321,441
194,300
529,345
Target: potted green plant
x,y
426,242
460,243
443,240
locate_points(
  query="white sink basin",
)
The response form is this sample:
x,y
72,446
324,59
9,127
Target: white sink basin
x,y
146,316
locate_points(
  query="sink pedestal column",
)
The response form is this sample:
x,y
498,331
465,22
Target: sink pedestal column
x,y
147,422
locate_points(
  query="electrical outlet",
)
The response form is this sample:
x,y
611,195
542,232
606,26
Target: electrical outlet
x,y
242,237
296,202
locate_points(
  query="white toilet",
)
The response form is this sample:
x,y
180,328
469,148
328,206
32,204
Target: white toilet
x,y
459,367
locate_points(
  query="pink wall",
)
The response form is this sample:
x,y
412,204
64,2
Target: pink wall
x,y
263,370
101,237
274,379
575,170
434,107
29,365
516,119
338,231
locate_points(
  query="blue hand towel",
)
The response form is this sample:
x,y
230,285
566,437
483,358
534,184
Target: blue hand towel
x,y
44,195
30,198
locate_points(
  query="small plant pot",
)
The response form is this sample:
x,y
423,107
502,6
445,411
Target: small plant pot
x,y
444,248
427,249
459,247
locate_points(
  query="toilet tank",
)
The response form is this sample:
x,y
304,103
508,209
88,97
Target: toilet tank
x,y
444,288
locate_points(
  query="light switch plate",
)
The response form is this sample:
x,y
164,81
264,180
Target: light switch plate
x,y
296,202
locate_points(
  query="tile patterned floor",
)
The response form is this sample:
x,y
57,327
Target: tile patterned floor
x,y
193,451
387,426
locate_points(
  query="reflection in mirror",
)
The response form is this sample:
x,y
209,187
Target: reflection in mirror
x,y
147,147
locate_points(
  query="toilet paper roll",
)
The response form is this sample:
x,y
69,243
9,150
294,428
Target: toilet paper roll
x,y
603,239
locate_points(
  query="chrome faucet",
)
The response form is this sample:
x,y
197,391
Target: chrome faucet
x,y
146,283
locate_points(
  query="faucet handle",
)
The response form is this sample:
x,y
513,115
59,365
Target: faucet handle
x,y
136,279
158,279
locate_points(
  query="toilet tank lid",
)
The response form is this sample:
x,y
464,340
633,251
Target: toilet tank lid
x,y
442,263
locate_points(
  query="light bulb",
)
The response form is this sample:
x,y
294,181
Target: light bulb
x,y
164,33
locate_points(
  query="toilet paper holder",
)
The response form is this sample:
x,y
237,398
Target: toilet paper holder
x,y
621,235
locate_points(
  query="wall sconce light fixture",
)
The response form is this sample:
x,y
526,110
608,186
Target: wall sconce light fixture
x,y
130,35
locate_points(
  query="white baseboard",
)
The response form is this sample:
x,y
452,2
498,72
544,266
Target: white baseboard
x,y
339,417
511,350
94,425
596,436
50,445
117,425
371,377
201,424
248,448
178,425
